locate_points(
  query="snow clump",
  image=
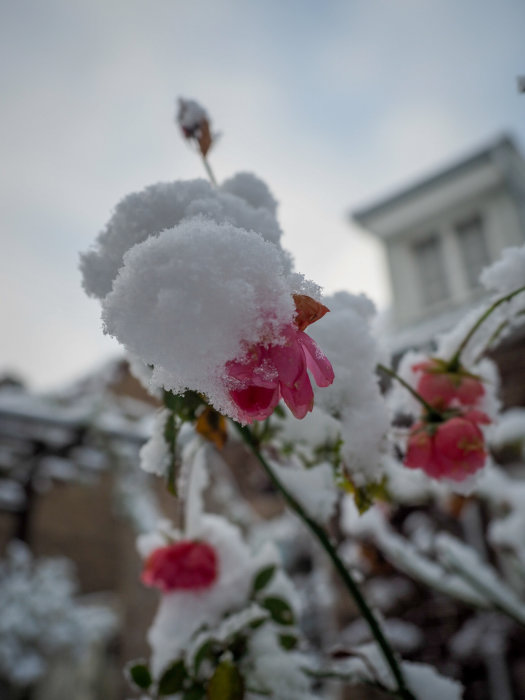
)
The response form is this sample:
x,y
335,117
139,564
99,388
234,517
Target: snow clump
x,y
195,297
154,454
355,398
161,206
507,273
252,189
185,618
190,114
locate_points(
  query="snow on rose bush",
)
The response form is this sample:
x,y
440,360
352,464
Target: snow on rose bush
x,y
40,618
197,297
354,398
194,283
506,274
243,201
216,590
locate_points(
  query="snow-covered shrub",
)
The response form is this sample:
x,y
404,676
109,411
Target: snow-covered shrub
x,y
40,618
194,283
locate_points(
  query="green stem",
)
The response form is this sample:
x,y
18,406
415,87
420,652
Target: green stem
x,y
341,569
209,171
432,413
454,361
496,335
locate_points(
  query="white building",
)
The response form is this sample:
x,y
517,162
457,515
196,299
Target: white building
x,y
439,233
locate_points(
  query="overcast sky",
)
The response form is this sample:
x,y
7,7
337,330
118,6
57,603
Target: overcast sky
x,y
332,103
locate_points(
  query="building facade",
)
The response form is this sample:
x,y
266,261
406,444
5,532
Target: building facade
x,y
441,232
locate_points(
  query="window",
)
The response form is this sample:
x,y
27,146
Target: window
x,y
428,255
473,247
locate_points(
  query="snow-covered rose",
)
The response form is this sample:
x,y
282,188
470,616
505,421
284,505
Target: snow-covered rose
x,y
191,299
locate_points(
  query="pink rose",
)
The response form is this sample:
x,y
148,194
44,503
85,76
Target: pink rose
x,y
267,373
441,387
453,449
184,565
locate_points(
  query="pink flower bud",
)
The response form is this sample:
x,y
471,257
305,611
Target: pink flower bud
x,y
441,388
185,565
453,449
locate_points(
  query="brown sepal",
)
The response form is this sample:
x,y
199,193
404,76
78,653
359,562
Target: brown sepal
x,y
308,310
205,138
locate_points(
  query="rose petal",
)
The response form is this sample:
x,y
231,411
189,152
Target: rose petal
x,y
288,359
255,402
419,448
300,397
316,361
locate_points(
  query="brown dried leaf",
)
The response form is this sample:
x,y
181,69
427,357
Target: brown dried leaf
x,y
212,426
455,505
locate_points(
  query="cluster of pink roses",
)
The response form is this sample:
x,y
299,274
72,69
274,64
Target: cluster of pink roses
x,y
448,443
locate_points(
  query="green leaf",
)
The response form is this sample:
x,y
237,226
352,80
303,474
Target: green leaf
x,y
279,610
365,496
173,402
226,683
140,675
329,451
238,647
204,651
288,641
257,623
183,405
195,693
172,679
263,578
279,411
171,430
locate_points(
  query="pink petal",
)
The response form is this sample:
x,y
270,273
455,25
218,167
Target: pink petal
x,y
300,396
316,361
255,368
255,402
475,416
460,446
244,365
470,391
288,359
419,448
436,389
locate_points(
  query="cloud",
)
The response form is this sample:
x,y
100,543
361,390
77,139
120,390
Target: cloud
x,y
331,105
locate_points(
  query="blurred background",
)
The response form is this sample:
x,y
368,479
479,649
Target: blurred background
x,y
391,134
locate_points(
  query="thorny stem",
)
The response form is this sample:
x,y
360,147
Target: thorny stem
x,y
496,334
341,569
209,171
454,361
430,409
